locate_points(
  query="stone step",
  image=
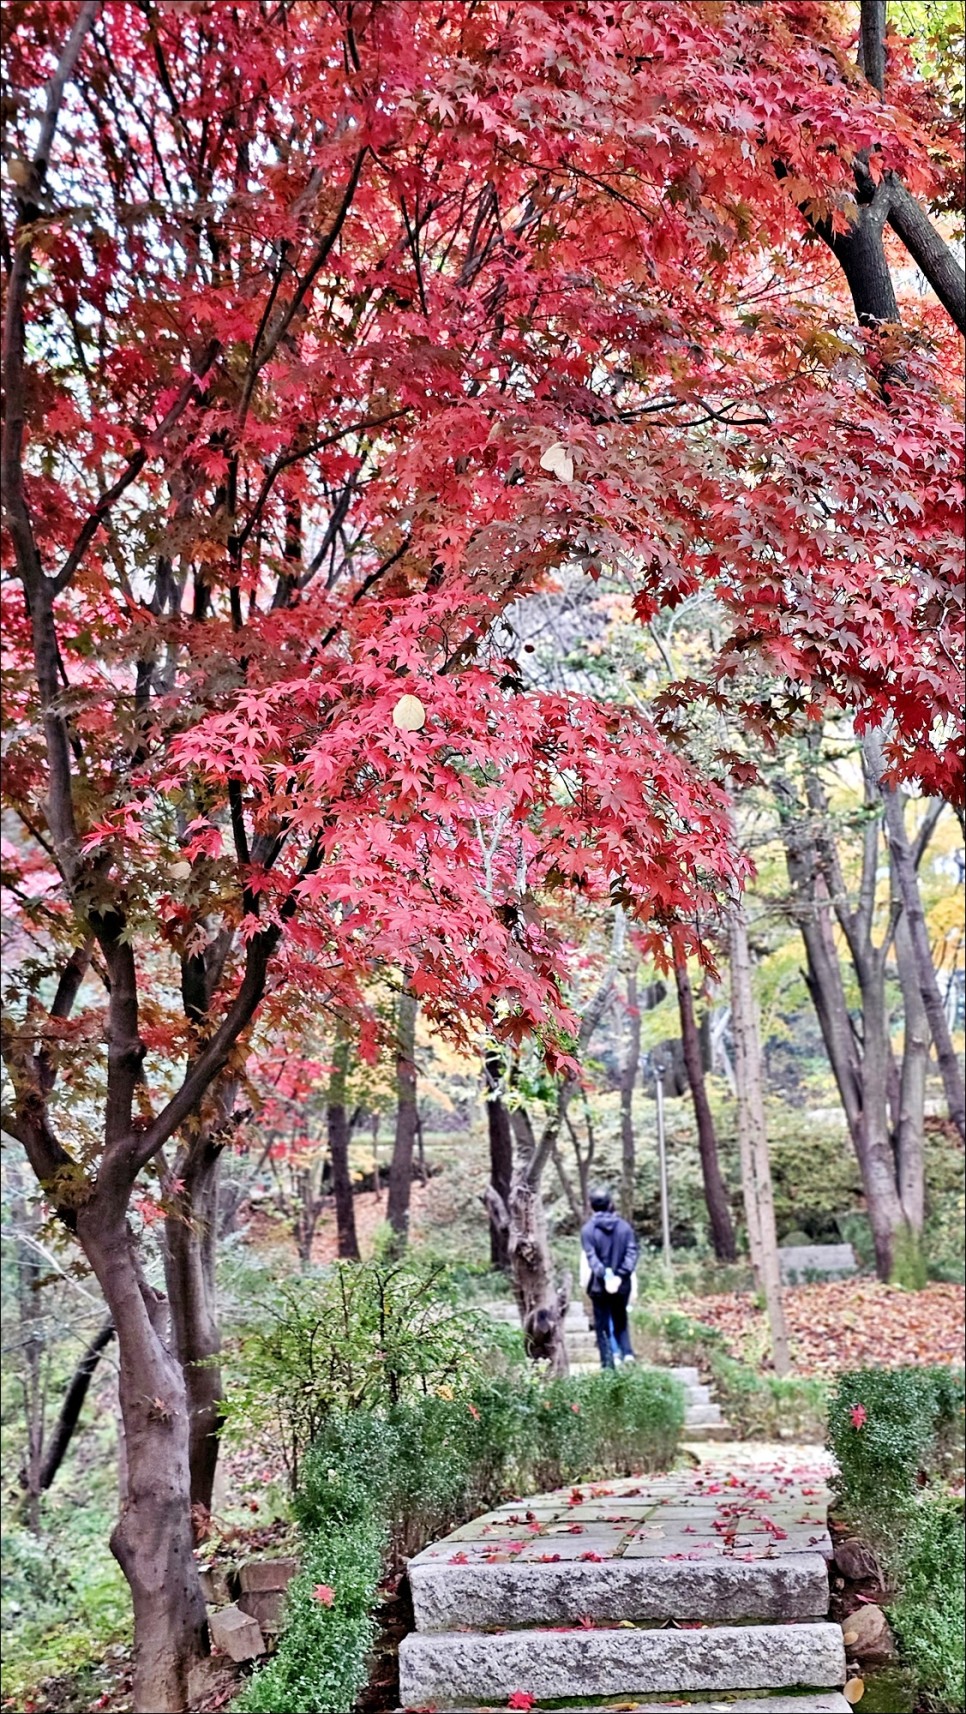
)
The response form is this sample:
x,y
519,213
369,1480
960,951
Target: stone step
x,y
582,1350
519,1593
816,1702
696,1394
449,1667
696,1434
701,1416
687,1376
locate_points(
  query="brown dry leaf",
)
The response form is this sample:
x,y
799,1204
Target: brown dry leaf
x,y
854,1690
846,1323
850,1636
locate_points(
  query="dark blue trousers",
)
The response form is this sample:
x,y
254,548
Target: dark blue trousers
x,y
610,1312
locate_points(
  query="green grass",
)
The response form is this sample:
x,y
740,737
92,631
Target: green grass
x,y
65,1601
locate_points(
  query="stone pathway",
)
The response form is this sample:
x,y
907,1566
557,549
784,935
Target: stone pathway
x,y
702,1416
710,1580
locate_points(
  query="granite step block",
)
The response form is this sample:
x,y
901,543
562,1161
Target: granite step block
x,y
448,1668
526,1592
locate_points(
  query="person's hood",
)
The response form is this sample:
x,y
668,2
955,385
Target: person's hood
x,y
607,1219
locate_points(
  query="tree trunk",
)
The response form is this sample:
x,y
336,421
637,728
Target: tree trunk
x,y
876,1156
715,1194
501,1154
191,1231
862,1070
751,1128
628,1081
401,1165
152,1540
909,1126
73,1404
921,960
31,1341
338,1133
541,1304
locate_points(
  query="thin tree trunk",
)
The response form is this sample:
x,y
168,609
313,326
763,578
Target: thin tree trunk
x,y
715,1194
751,1126
903,860
910,1120
337,1119
628,1081
31,1341
376,1167
73,1404
401,1165
862,1073
501,1154
152,1540
191,1231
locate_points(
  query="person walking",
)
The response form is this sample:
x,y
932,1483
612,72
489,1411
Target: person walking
x,y
610,1246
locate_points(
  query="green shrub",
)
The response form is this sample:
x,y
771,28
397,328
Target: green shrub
x,y
352,1336
322,1657
889,1429
929,1615
428,1464
406,1434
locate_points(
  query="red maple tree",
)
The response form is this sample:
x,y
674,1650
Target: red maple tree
x,y
330,332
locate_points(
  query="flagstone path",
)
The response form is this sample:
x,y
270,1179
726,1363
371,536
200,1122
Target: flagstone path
x,y
712,1580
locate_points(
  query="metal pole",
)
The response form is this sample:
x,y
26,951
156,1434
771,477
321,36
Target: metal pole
x,y
662,1163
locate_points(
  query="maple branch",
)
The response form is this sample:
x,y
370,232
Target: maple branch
x,y
929,251
29,1123
285,459
904,213
68,988
365,586
926,831
29,197
318,261
190,390
134,1151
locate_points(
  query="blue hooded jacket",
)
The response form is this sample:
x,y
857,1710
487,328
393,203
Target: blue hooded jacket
x,y
608,1242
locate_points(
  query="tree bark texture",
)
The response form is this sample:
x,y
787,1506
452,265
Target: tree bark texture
x,y
715,1193
541,1303
337,1118
751,1126
916,937
152,1540
501,1154
401,1165
861,251
862,1065
191,1232
73,1404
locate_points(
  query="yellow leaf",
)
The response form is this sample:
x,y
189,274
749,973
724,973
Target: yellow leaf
x,y
409,714
854,1690
850,1636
